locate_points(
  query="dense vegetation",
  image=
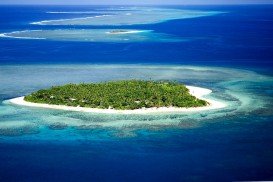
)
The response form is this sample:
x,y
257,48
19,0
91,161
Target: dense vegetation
x,y
131,94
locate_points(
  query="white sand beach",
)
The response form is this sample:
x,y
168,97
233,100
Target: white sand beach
x,y
195,91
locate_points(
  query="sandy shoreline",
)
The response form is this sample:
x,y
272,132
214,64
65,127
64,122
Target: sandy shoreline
x,y
196,91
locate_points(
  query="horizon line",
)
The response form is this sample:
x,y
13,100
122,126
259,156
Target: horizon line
x,y
148,4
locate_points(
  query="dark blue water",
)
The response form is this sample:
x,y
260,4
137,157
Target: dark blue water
x,y
240,37
235,147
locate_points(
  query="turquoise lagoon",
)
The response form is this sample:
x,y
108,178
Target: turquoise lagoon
x,y
245,93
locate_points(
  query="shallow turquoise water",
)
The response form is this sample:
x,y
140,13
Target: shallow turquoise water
x,y
94,35
127,16
245,93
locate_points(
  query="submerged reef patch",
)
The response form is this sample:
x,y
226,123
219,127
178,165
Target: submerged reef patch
x,y
94,35
128,16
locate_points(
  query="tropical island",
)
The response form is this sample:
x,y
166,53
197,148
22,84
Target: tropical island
x,y
122,97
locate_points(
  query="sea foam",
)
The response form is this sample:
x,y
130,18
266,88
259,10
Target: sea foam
x,y
62,20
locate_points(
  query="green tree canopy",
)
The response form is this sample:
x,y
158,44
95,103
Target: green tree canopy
x,y
122,95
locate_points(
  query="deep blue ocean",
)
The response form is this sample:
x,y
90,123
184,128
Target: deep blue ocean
x,y
230,53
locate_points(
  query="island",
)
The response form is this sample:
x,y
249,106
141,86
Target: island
x,y
118,31
126,31
125,96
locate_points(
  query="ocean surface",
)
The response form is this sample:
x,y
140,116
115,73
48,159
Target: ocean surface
x,y
228,49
